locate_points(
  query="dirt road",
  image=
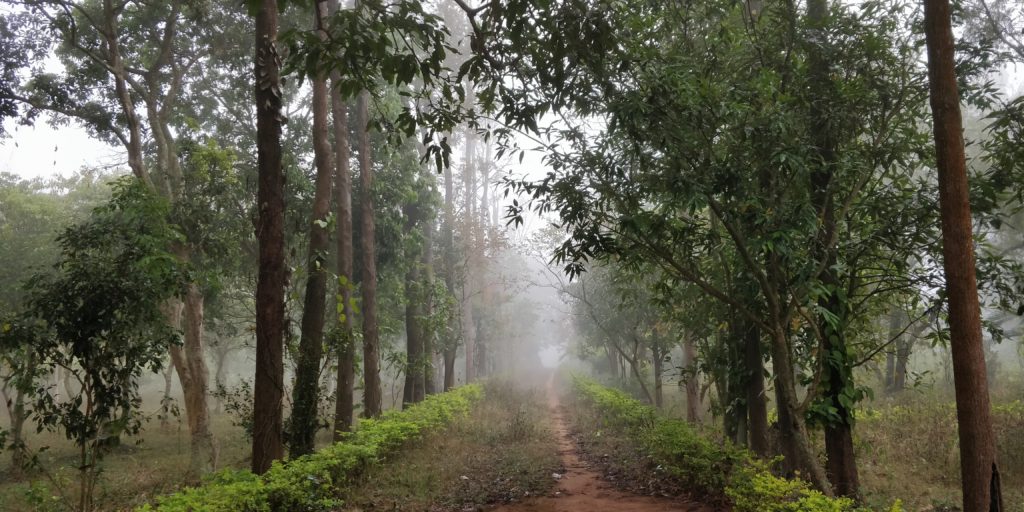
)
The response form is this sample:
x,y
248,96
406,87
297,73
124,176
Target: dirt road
x,y
581,489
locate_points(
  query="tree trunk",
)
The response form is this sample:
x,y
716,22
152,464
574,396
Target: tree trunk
x,y
468,323
757,400
736,378
692,383
413,337
194,378
371,341
306,392
345,401
837,381
796,445
451,345
218,377
656,357
429,335
124,97
168,383
267,442
978,469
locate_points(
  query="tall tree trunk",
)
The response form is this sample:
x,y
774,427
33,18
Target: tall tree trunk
x,y
796,445
736,378
978,469
371,341
345,401
193,375
168,374
757,400
692,382
429,335
413,330
469,247
451,345
218,376
657,359
306,392
117,69
267,442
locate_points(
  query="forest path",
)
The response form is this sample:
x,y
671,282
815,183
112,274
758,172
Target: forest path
x,y
581,489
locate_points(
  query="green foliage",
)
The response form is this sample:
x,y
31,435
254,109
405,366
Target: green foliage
x,y
703,466
99,316
319,481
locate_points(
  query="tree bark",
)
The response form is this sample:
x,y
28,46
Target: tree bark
x,y
757,400
189,361
656,357
692,383
306,392
413,327
978,468
267,440
345,401
429,335
371,342
837,381
451,345
468,323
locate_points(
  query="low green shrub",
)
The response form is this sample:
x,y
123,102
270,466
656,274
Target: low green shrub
x,y
704,467
318,481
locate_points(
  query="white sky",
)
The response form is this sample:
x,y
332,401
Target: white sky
x,y
41,151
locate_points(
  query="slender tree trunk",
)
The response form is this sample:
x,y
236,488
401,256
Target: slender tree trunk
x,y
117,69
218,377
193,375
306,392
413,337
796,445
757,400
345,401
168,383
371,341
451,345
978,469
267,443
469,247
657,359
838,377
736,378
429,335
692,383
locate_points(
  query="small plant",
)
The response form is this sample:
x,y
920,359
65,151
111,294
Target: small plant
x,y
237,402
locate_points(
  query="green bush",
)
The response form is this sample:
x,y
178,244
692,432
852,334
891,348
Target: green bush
x,y
700,464
318,481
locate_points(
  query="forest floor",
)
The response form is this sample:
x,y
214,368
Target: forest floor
x,y
583,486
133,473
515,453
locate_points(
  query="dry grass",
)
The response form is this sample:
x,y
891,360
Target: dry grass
x,y
503,452
149,465
908,449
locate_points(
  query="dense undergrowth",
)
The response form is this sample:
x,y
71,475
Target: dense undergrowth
x,y
318,481
719,472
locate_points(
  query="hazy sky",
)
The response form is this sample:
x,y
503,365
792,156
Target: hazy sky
x,y
37,151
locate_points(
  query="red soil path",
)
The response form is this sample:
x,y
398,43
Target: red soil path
x,y
582,489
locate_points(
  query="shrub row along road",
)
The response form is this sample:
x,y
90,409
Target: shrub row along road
x,y
581,489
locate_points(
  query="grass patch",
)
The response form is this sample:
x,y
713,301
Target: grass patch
x,y
910,448
503,452
134,473
320,481
717,472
